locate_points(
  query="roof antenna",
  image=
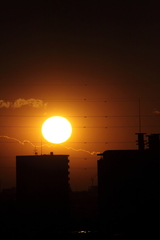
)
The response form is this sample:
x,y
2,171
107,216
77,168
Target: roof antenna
x,y
41,143
35,150
141,141
139,116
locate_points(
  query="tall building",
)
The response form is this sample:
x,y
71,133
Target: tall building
x,y
129,185
43,184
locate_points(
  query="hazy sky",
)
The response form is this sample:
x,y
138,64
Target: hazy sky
x,y
89,61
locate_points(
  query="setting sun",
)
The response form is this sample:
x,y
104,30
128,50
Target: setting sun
x,y
56,129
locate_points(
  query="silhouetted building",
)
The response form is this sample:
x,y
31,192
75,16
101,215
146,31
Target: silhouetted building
x,y
43,185
141,142
129,185
154,142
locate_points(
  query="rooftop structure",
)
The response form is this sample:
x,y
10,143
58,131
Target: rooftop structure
x,y
43,181
129,184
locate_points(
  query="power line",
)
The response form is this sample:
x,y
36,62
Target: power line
x,y
84,127
83,116
95,99
104,142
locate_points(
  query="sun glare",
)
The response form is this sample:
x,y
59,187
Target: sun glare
x,y
56,129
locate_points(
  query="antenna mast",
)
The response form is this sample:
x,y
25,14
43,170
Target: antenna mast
x,y
41,143
141,141
139,116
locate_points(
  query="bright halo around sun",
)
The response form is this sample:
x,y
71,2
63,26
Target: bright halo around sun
x,y
56,129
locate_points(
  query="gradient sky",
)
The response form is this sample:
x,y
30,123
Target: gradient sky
x,y
88,61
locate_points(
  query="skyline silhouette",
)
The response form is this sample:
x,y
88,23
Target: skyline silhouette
x,y
126,195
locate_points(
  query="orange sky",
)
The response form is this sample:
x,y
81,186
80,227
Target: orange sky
x,y
83,62
97,126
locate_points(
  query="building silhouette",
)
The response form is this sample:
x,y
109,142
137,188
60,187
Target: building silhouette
x,y
129,186
43,188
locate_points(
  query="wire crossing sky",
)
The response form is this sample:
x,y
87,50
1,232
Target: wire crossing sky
x,y
89,62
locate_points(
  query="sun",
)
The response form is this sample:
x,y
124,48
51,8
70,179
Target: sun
x,y
56,129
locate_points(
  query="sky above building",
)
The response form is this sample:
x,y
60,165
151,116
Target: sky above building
x,y
88,61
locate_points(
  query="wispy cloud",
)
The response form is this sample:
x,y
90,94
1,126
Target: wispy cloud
x,y
155,111
47,145
20,102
